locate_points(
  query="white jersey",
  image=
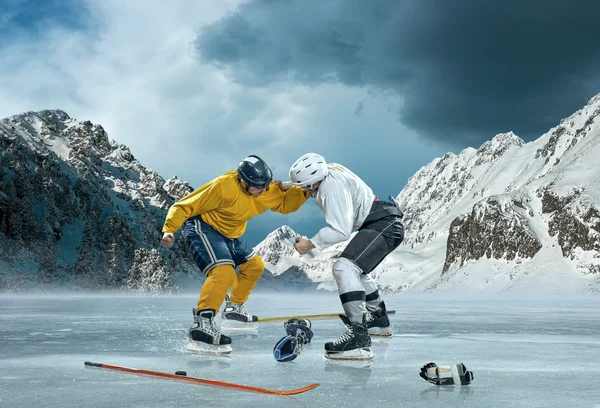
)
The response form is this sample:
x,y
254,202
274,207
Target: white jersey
x,y
346,201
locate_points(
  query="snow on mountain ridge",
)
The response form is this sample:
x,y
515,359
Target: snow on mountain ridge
x,y
87,146
506,216
79,209
502,140
558,164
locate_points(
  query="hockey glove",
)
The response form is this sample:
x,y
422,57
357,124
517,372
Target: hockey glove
x,y
298,320
287,349
446,375
299,328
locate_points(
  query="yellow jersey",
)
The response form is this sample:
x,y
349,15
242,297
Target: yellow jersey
x,y
224,205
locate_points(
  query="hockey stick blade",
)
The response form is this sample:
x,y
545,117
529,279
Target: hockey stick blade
x,y
310,317
201,380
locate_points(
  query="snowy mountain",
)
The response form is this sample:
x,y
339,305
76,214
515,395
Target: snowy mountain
x,y
78,210
283,263
509,216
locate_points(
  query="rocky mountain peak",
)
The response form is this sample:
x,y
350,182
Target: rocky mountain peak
x,y
77,207
80,209
282,233
506,215
503,139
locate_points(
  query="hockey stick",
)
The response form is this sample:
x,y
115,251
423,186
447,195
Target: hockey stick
x,y
313,317
183,376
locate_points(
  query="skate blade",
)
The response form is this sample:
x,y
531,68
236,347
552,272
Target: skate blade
x,y
349,363
234,325
197,347
381,332
364,353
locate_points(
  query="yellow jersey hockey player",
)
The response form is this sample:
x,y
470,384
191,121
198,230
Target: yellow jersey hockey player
x,y
214,218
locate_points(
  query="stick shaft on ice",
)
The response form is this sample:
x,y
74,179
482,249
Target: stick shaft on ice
x,y
201,380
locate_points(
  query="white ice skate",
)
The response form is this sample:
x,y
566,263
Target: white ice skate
x,y
363,353
204,337
235,318
198,347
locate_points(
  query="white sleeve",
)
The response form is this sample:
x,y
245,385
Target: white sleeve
x,y
339,214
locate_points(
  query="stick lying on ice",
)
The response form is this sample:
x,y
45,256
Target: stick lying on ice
x,y
183,377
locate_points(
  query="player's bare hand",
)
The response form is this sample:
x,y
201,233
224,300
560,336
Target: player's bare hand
x,y
168,240
303,245
284,185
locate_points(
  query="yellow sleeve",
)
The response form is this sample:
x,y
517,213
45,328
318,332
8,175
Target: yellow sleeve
x,y
206,198
291,200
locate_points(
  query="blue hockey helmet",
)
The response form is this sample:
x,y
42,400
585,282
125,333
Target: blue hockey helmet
x,y
254,172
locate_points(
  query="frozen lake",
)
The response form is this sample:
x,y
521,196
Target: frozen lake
x,y
523,352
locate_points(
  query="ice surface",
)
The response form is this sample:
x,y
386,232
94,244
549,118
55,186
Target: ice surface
x,y
523,352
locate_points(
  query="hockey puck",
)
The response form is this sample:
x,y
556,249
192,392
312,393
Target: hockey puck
x,y
181,373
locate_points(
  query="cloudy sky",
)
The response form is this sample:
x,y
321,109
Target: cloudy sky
x,y
381,86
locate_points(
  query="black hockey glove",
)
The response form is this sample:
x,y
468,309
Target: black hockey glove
x,y
299,328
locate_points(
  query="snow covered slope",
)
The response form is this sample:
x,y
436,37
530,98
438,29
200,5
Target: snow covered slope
x,y
78,210
508,216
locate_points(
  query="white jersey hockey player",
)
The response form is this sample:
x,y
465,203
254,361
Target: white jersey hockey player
x,y
349,204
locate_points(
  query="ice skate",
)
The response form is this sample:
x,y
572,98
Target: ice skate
x,y
235,317
204,337
354,344
378,321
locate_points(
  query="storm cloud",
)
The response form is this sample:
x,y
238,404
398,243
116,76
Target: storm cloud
x,y
463,70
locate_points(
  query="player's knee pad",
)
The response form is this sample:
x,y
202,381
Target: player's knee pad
x,y
344,267
222,273
347,276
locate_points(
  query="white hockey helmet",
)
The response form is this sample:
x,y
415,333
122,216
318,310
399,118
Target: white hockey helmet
x,y
308,170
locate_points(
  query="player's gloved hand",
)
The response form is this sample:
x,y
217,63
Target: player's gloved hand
x,y
446,375
287,349
299,328
297,320
298,333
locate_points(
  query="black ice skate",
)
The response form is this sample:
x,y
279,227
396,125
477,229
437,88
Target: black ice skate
x,y
236,317
204,337
378,320
354,344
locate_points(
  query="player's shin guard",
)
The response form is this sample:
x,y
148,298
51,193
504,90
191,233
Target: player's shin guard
x,y
250,272
215,287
